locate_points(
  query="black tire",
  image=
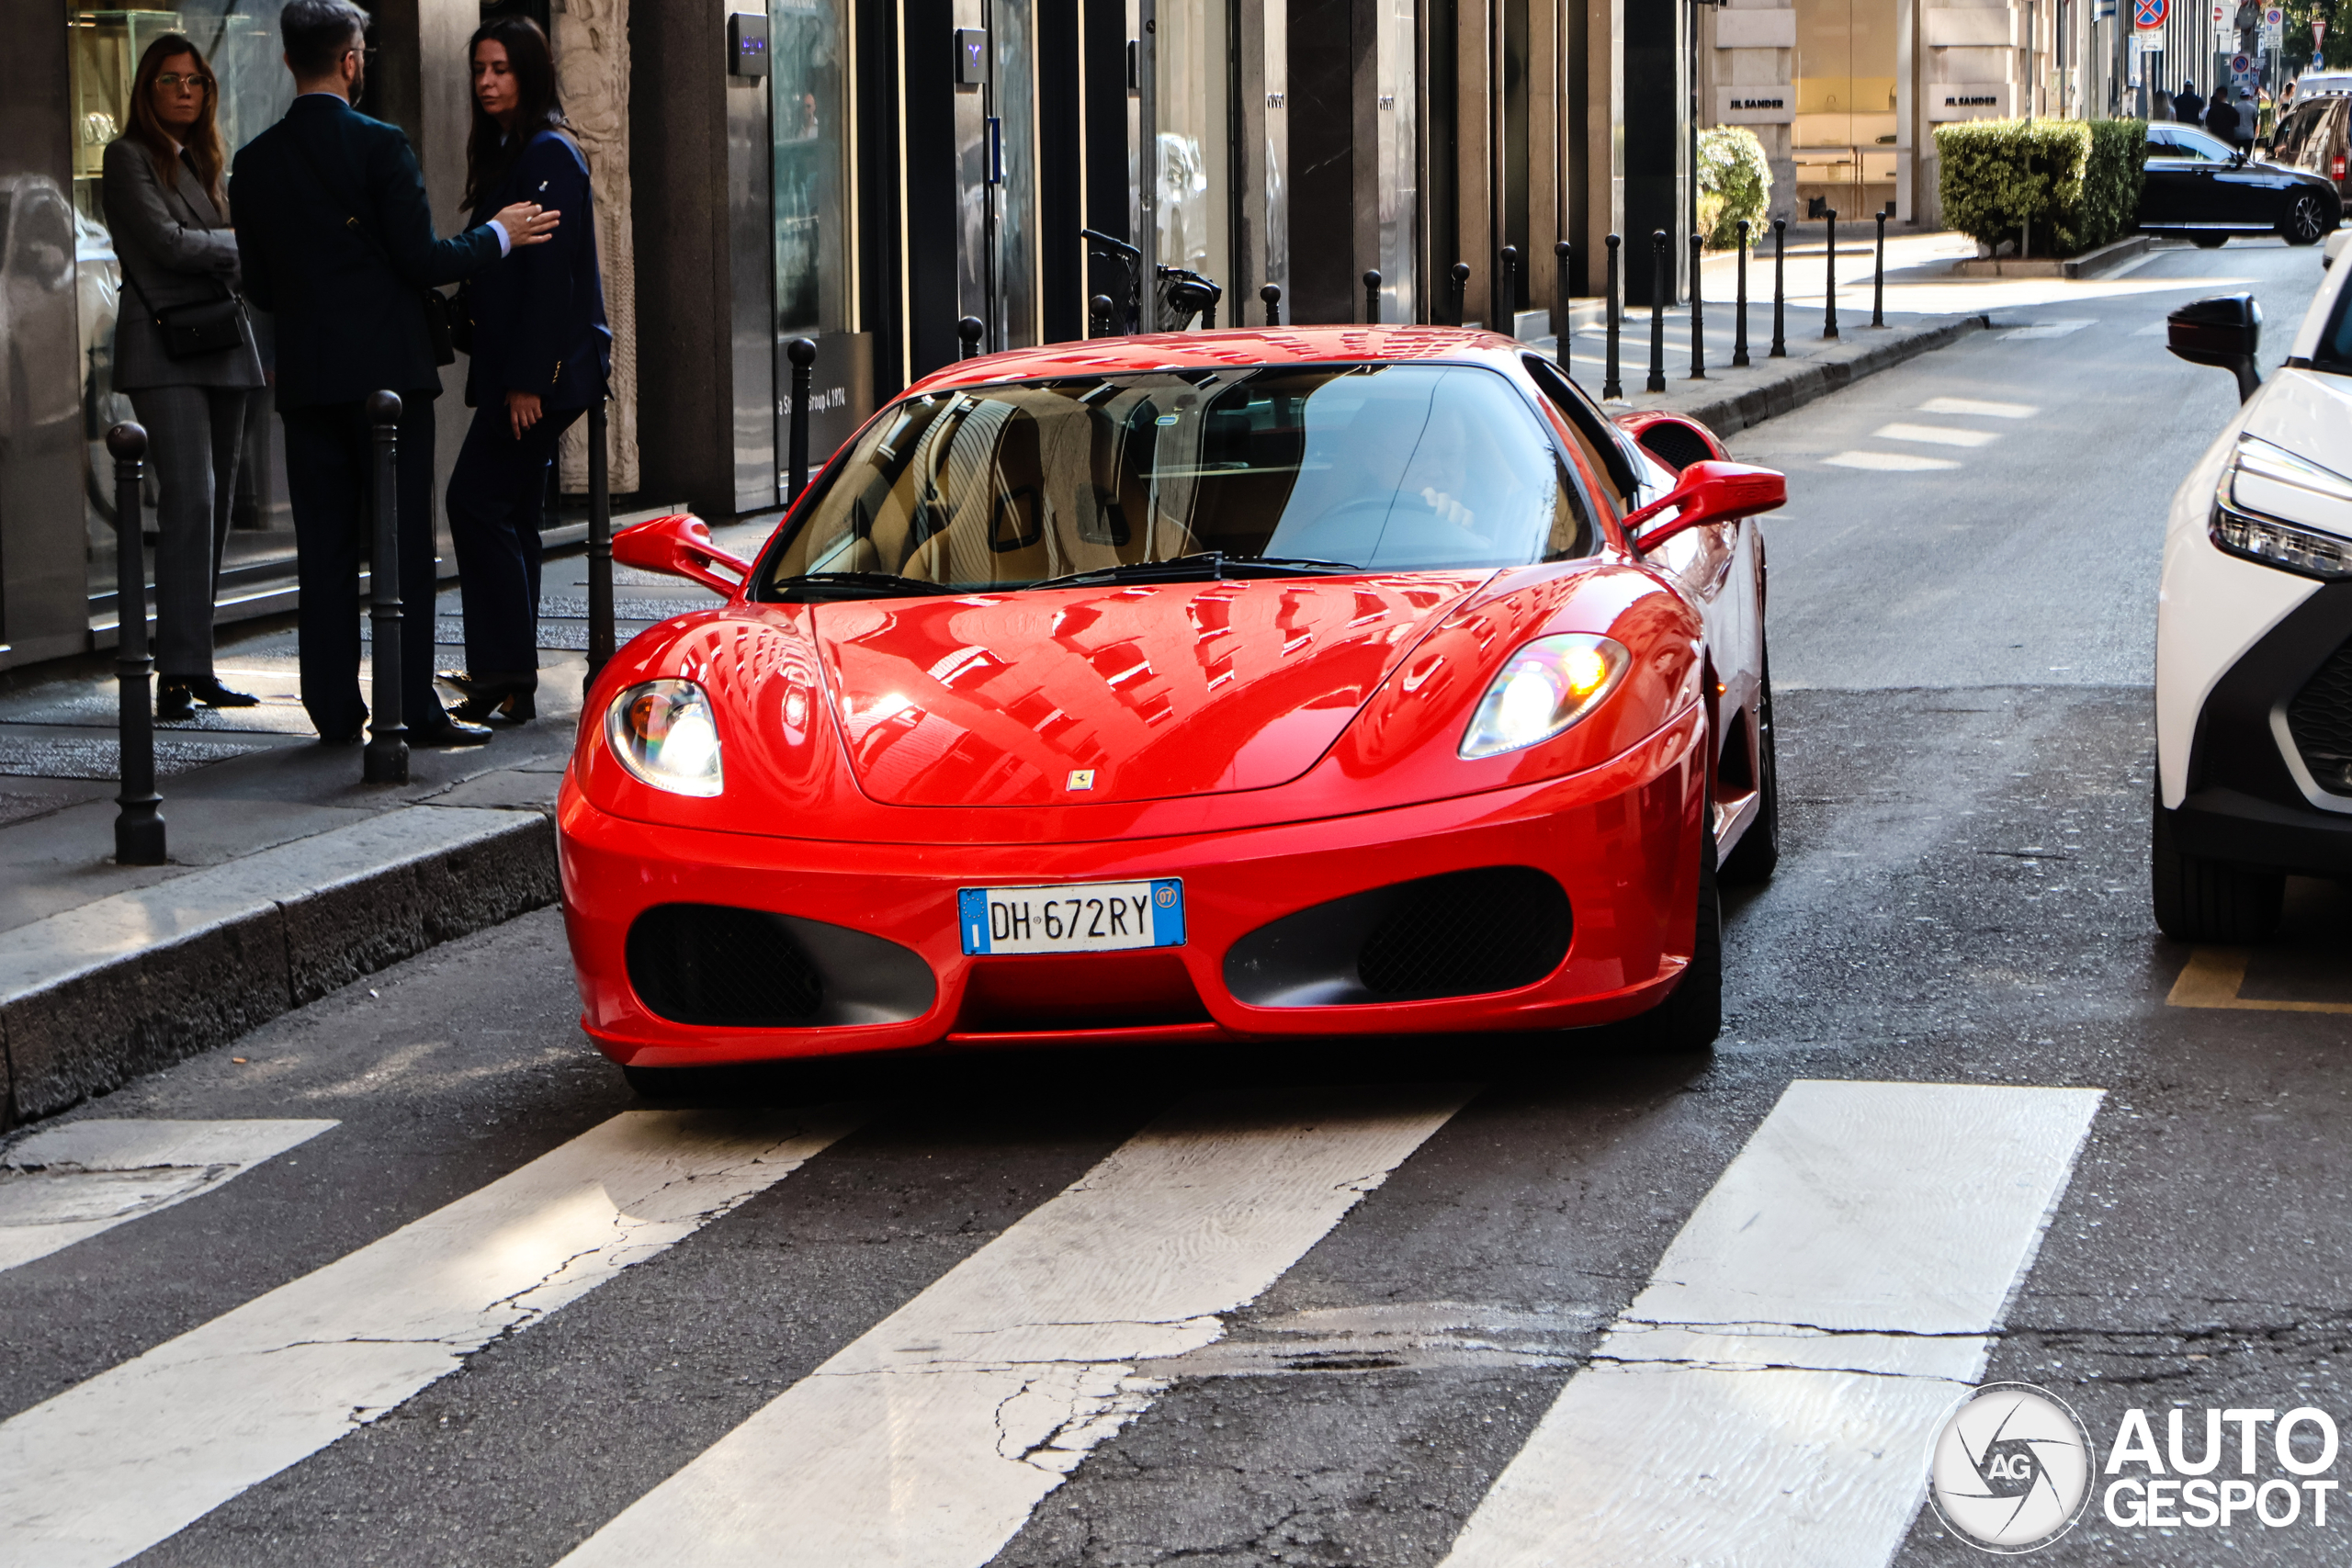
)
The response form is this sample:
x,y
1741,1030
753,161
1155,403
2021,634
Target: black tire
x,y
2208,241
2306,219
1758,853
1692,1014
2201,900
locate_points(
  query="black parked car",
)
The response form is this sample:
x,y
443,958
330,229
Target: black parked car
x,y
2313,137
2200,185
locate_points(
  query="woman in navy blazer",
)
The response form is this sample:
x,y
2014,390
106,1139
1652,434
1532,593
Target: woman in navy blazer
x,y
541,355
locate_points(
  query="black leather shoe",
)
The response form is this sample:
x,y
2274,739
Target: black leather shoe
x,y
173,701
451,731
507,701
342,737
213,694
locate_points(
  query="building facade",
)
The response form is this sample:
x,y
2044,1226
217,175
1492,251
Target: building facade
x,y
869,173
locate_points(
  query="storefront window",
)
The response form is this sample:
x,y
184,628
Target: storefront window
x,y
1193,193
1014,103
240,42
1844,131
809,112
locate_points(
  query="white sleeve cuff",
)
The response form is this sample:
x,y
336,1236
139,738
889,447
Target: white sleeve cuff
x,y
506,242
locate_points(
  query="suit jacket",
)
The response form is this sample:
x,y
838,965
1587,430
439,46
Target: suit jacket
x,y
177,249
538,314
350,312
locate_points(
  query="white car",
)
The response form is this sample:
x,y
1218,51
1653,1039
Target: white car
x,y
2254,631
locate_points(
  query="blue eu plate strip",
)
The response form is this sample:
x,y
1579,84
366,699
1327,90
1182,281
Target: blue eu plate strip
x,y
972,913
1168,912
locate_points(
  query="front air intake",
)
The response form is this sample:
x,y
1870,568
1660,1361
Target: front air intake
x,y
2320,719
721,967
1467,934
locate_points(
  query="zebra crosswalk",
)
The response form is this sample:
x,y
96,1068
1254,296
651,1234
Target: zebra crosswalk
x,y
1766,1398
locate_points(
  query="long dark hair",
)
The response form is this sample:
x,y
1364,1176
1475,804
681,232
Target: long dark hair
x,y
490,152
202,140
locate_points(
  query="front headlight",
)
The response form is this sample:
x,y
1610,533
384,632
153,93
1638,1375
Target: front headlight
x,y
2283,510
1542,690
664,734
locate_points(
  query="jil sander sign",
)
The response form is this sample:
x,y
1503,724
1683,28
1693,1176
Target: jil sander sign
x,y
1968,100
1761,103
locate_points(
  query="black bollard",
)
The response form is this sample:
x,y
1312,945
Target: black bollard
x,y
1099,316
1878,276
1829,292
601,635
803,355
1561,314
386,758
970,329
1657,314
1779,349
138,821
1372,297
1610,387
1739,316
1698,326
1506,282
1461,293
1273,295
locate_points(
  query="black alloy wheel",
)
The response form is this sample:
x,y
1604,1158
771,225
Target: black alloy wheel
x,y
2306,219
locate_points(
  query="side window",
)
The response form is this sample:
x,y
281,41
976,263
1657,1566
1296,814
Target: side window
x,y
1603,449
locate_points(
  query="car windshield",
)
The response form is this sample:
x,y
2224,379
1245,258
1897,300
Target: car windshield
x,y
1232,471
2187,141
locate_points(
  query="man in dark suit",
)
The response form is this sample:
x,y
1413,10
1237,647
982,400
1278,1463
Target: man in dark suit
x,y
336,240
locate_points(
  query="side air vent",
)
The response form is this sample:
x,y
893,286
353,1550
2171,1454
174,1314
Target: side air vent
x,y
716,967
1674,445
1463,934
2320,718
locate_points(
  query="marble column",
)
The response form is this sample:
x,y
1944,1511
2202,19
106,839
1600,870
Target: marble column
x,y
592,73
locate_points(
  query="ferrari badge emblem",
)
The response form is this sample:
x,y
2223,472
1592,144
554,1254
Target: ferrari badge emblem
x,y
1081,778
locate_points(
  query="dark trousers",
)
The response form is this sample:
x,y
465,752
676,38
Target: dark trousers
x,y
496,494
196,435
330,469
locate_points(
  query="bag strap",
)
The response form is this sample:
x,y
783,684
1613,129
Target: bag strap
x,y
228,296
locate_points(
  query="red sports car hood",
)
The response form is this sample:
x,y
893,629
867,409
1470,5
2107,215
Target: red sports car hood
x,y
1113,694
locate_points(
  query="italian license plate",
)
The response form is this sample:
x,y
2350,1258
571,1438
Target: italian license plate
x,y
1085,917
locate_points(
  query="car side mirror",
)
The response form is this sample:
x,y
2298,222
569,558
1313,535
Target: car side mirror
x,y
679,546
1707,492
2225,331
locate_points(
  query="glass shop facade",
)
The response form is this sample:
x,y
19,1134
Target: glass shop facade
x,y
865,173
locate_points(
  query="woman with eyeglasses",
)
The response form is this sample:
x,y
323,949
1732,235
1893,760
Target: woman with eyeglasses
x,y
184,351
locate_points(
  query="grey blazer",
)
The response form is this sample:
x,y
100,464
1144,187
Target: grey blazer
x,y
178,247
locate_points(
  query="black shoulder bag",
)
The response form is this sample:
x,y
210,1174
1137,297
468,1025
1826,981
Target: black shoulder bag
x,y
198,328
436,304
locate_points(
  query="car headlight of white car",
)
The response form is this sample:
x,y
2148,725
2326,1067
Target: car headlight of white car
x,y
664,732
2285,511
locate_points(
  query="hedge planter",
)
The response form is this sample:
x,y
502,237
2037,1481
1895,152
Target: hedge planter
x,y
2047,187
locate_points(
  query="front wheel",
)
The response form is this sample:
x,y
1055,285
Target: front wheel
x,y
2210,900
1692,1014
2306,219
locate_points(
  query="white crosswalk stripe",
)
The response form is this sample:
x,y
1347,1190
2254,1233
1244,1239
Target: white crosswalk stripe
x,y
104,1471
60,1185
1769,1398
927,1442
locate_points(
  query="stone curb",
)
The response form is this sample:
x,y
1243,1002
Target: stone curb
x,y
1815,377
236,951
2090,263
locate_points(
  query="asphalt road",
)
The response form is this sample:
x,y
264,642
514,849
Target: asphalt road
x,y
1431,1301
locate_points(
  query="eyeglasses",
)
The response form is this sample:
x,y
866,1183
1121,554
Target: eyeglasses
x,y
173,81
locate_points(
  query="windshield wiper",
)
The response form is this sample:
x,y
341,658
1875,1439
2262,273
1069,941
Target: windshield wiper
x,y
1206,566
810,586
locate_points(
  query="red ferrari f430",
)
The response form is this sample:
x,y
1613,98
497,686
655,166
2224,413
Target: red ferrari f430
x,y
1213,686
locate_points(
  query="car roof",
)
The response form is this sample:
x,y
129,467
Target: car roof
x,y
1227,347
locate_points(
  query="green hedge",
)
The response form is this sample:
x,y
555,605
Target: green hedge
x,y
2078,181
1735,182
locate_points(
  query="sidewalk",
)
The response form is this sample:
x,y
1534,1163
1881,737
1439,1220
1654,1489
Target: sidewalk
x,y
288,876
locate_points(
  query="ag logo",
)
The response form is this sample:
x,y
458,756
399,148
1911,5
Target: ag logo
x,y
2011,1470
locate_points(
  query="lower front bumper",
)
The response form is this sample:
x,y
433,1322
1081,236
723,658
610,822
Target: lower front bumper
x,y
2229,825
1622,841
